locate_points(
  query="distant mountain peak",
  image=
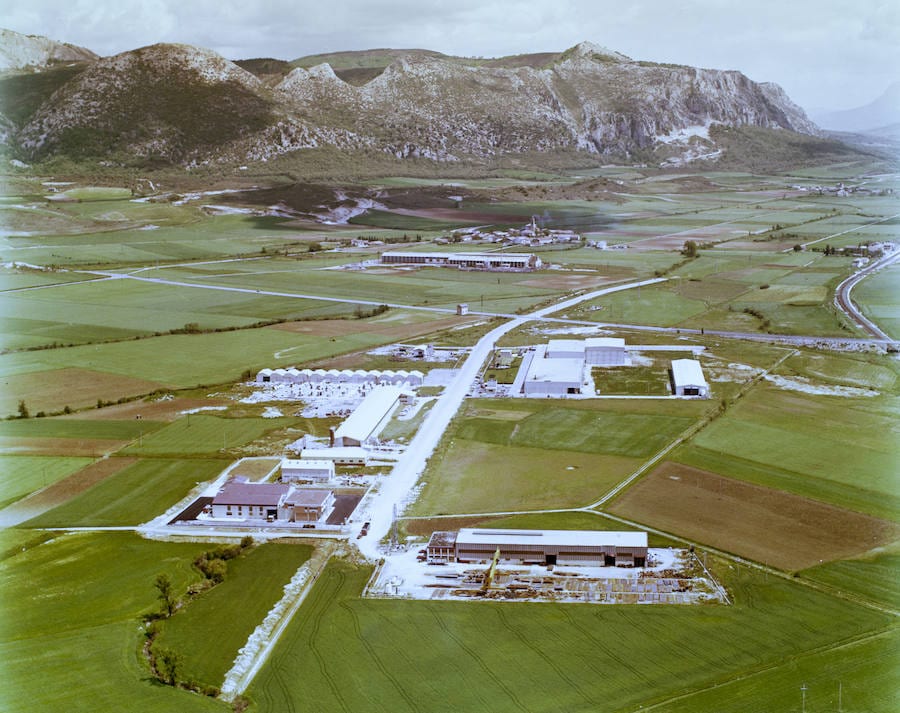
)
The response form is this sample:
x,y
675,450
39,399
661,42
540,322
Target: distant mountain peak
x,y
591,50
18,51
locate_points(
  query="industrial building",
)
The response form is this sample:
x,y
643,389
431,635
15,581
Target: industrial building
x,y
369,418
586,548
350,455
565,349
688,379
547,376
306,470
470,261
307,505
604,351
340,376
271,501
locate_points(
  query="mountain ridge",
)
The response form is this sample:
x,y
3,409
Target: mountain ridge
x,y
190,106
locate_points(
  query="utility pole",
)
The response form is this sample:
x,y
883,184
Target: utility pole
x,y
803,690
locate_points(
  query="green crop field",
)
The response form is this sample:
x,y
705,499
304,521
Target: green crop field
x,y
230,611
878,298
875,577
25,474
354,654
70,634
481,477
199,434
132,496
829,448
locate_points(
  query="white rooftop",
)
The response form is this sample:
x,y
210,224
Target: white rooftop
x,y
687,371
562,369
565,345
608,342
306,463
336,453
374,407
584,538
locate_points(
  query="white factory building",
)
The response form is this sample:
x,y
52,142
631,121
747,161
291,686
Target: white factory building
x,y
688,379
470,261
306,470
349,455
369,418
549,376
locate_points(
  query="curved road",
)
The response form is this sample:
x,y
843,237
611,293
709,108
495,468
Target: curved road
x,y
396,487
842,295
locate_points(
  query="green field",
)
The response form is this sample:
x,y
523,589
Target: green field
x,y
876,577
200,434
877,297
70,634
25,474
132,496
355,654
231,610
829,448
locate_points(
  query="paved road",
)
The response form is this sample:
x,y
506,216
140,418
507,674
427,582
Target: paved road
x,y
842,295
396,487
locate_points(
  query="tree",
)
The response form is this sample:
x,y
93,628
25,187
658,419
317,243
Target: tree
x,y
166,594
798,248
23,409
167,664
689,249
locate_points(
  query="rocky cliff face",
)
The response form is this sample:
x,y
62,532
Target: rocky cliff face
x,y
189,105
18,51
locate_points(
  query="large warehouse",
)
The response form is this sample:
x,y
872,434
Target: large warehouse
x,y
547,376
586,548
688,379
604,351
369,417
471,261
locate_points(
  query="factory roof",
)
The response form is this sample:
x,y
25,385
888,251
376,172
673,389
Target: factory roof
x,y
584,538
687,371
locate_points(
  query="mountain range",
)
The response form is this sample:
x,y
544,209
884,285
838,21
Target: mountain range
x,y
177,104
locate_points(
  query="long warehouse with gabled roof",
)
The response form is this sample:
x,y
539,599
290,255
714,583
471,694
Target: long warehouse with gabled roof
x,y
369,417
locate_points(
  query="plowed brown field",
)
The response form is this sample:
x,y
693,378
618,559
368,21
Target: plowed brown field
x,y
770,526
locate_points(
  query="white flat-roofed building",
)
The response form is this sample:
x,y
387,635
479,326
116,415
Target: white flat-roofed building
x,y
604,351
590,548
553,377
472,261
369,417
688,379
565,349
306,469
348,455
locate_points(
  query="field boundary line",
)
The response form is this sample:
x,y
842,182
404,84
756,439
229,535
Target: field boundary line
x,y
792,659
261,642
690,432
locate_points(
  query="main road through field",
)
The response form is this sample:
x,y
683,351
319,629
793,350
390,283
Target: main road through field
x,y
842,295
396,487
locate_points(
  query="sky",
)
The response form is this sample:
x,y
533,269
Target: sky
x,y
827,54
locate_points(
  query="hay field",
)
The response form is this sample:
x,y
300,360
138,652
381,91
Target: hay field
x,y
785,531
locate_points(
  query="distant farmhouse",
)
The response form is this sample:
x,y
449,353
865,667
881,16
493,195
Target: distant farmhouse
x,y
586,548
466,261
